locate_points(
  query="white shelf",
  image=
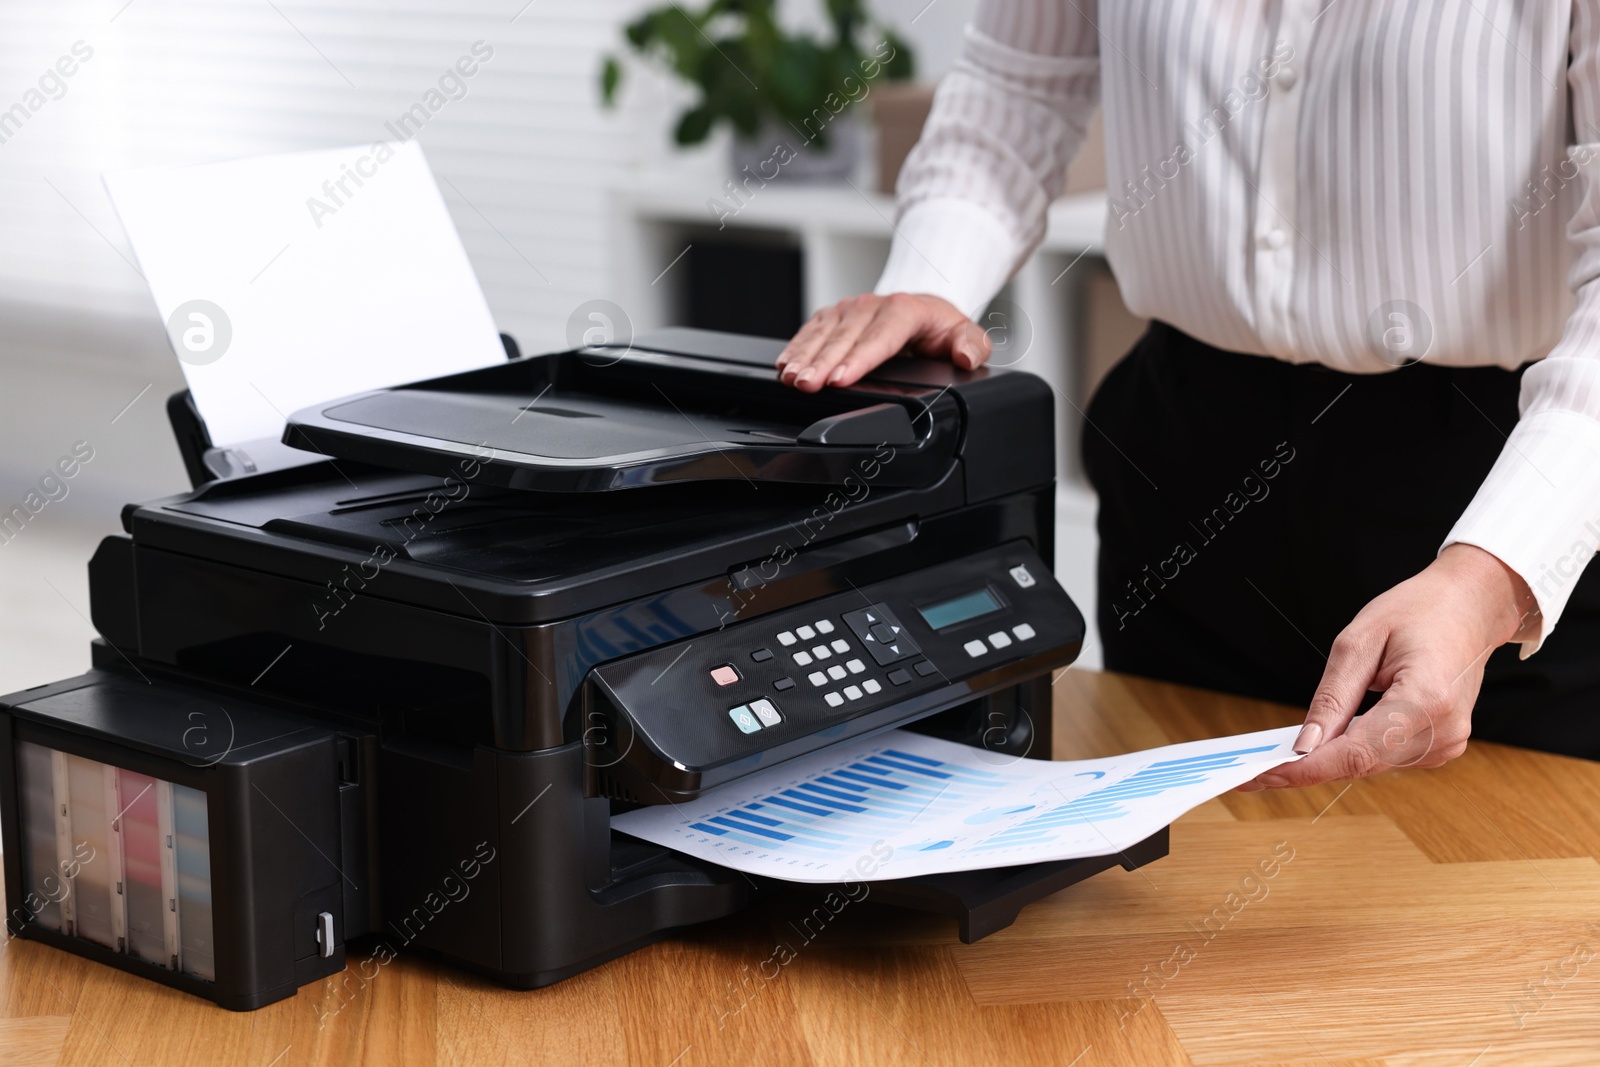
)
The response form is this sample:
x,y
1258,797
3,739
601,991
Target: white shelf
x,y
1076,223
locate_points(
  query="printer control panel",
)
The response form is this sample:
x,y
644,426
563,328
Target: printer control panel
x,y
713,707
871,653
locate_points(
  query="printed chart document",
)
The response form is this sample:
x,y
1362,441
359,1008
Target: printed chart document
x,y
933,806
292,279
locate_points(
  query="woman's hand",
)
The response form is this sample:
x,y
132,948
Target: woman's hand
x,y
842,343
1424,644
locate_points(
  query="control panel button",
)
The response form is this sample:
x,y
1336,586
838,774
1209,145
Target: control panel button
x,y
824,626
872,685
803,658
766,711
841,645
1000,639
833,699
787,638
853,692
882,634
817,678
899,676
855,666
836,672
724,675
1023,631
805,633
761,655
744,719
1021,576
975,648
783,685
924,668
822,652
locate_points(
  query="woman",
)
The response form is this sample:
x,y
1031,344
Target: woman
x,y
1366,232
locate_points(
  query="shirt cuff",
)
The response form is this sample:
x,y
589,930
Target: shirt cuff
x,y
951,248
1538,511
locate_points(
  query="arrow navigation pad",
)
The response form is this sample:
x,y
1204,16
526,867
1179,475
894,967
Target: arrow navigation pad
x,y
882,634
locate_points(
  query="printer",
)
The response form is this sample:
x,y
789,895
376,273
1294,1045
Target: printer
x,y
381,691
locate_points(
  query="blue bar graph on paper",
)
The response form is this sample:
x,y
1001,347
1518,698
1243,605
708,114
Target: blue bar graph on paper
x,y
889,790
1106,804
886,791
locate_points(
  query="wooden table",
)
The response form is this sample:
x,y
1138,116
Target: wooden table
x,y
1423,918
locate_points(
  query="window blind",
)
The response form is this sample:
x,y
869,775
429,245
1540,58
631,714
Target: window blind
x,y
522,150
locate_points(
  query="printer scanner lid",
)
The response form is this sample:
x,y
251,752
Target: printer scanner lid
x,y
673,406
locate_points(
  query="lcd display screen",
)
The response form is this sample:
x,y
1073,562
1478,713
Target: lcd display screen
x,y
959,609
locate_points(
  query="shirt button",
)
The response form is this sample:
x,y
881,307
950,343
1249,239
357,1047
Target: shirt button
x,y
1286,78
1274,239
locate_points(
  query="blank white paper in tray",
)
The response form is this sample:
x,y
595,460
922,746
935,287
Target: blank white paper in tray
x,y
327,294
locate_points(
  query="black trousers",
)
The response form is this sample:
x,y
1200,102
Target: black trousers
x,y
1250,507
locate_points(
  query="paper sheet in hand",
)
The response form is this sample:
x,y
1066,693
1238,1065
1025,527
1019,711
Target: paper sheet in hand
x,y
941,806
368,290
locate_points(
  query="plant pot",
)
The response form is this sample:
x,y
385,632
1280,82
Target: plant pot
x,y
778,152
898,111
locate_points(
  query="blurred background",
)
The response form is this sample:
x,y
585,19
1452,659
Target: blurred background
x,y
561,201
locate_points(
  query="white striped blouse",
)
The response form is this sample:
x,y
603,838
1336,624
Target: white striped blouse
x,y
1350,182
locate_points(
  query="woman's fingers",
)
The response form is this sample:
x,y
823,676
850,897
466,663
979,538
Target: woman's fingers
x,y
798,352
855,315
971,345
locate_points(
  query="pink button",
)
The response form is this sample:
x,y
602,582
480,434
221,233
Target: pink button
x,y
724,675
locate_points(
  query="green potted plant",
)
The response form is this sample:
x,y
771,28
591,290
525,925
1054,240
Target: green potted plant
x,y
788,97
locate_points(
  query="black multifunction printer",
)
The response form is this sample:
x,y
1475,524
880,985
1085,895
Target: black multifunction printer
x,y
388,686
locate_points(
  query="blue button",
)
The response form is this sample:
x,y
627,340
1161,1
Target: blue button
x,y
744,719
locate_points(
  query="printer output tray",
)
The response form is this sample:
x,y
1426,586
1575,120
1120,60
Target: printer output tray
x,y
985,901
